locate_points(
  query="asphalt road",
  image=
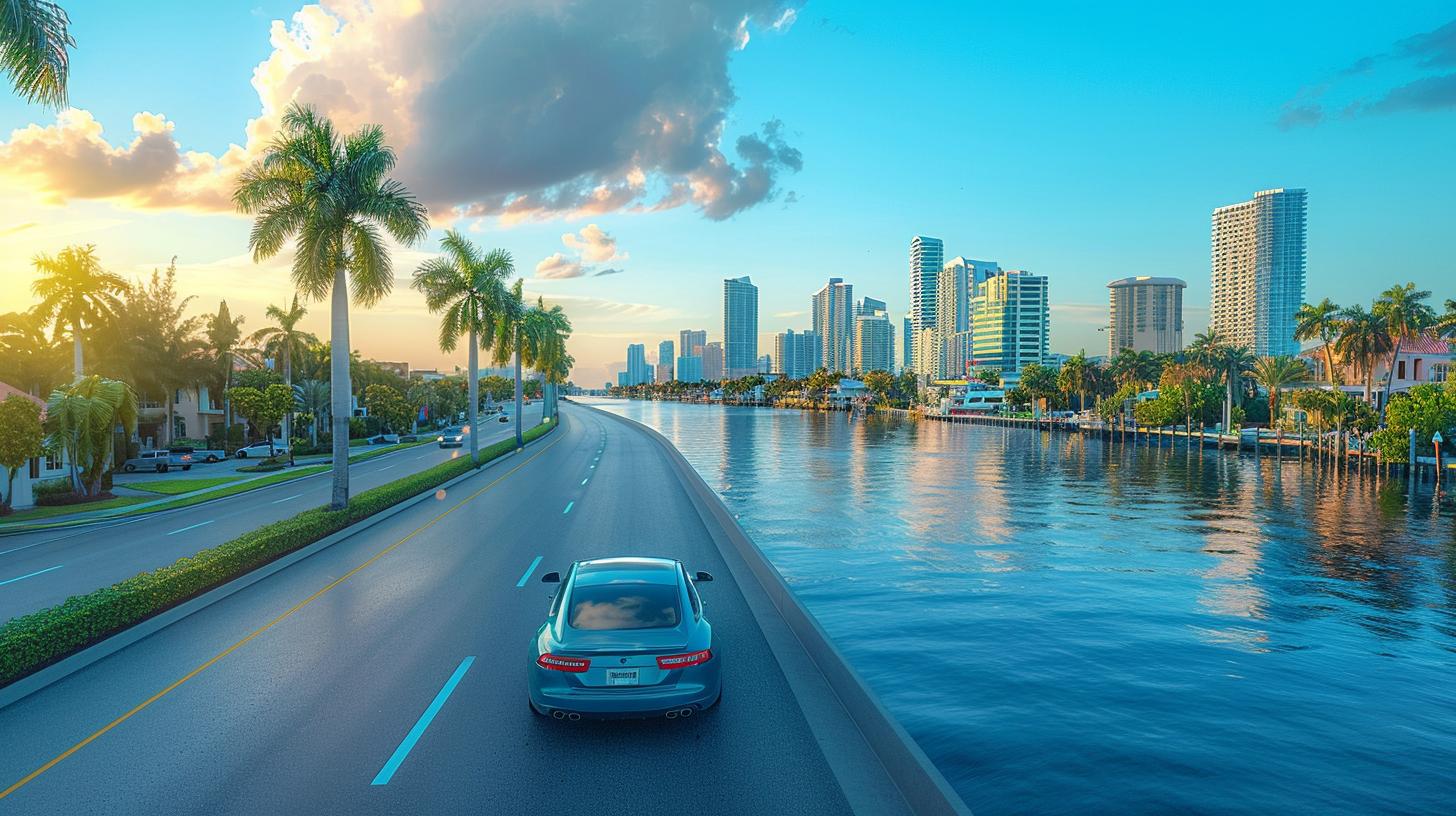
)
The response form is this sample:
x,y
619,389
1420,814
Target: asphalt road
x,y
42,569
299,693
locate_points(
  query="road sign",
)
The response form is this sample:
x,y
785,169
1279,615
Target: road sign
x,y
1436,438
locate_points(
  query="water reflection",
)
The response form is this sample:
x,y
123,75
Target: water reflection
x,y
1109,624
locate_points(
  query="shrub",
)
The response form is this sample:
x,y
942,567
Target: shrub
x,y
32,642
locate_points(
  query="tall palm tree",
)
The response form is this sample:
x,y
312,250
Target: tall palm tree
x,y
1320,321
1406,316
332,195
468,287
549,328
1445,325
75,290
1364,337
223,333
1234,362
1274,373
508,342
282,342
34,36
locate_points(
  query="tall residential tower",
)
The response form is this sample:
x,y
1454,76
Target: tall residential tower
x,y
1145,314
927,256
740,328
1258,271
833,316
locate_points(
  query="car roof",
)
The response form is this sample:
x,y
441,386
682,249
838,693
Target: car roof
x,y
627,569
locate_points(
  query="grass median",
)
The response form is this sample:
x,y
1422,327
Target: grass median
x,y
172,487
31,642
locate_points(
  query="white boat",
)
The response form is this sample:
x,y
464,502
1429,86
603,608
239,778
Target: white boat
x,y
978,398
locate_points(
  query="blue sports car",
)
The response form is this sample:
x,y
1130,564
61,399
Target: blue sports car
x,y
625,637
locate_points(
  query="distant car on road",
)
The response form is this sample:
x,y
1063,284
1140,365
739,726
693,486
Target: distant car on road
x,y
504,418
625,637
208,455
261,449
451,438
159,461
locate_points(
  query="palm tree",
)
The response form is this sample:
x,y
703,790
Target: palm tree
x,y
1320,321
1364,337
549,355
74,289
541,343
29,358
282,342
507,343
1234,362
468,287
332,195
1406,315
34,36
81,419
313,398
223,333
1274,373
1445,325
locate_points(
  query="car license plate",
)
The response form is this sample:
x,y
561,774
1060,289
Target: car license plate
x,y
622,677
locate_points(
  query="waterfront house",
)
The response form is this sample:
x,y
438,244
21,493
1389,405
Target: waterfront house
x,y
1424,359
39,468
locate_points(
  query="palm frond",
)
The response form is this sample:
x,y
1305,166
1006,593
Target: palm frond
x,y
34,41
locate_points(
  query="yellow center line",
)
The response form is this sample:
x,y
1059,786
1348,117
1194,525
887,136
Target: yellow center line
x,y
269,625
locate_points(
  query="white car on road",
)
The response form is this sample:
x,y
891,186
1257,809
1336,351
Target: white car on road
x,y
261,449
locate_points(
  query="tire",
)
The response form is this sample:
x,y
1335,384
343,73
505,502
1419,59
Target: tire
x,y
161,468
186,467
128,468
242,454
211,459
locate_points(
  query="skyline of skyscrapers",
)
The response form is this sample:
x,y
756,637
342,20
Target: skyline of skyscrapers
x,y
1258,270
798,354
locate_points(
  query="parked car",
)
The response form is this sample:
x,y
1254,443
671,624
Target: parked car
x,y
261,449
208,455
625,637
384,439
159,461
451,438
504,418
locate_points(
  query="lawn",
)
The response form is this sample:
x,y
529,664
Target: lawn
x,y
171,487
232,490
37,513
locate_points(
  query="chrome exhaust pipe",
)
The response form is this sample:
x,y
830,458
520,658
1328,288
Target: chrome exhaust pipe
x,y
685,713
672,715
559,714
573,716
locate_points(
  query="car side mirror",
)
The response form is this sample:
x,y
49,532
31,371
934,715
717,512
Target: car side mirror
x,y
703,576
551,578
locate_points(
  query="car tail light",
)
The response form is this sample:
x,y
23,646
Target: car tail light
x,y
682,661
566,664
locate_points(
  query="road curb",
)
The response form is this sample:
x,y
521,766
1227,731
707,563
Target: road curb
x,y
924,789
30,684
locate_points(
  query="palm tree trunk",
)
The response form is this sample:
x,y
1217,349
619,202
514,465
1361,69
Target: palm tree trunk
x,y
474,390
520,438
1390,374
288,381
340,387
78,362
1329,363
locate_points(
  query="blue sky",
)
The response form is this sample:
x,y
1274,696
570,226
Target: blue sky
x,y
1086,142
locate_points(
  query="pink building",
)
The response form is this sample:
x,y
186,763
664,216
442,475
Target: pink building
x,y
1423,359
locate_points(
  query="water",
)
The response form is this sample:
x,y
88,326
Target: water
x,y
1068,626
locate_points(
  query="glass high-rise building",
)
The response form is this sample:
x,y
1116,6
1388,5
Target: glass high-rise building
x,y
797,354
1258,271
665,359
690,369
874,342
1145,314
637,370
833,317
740,328
1010,321
927,257
691,342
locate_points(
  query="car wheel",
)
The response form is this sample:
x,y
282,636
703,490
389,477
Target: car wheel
x,y
186,467
211,459
128,468
242,454
161,468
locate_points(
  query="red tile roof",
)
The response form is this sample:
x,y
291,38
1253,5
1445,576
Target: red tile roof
x,y
6,390
1425,344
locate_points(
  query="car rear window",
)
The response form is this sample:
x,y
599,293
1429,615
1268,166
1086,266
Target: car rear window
x,y
624,606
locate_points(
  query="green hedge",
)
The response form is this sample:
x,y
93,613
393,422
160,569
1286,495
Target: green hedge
x,y
32,642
